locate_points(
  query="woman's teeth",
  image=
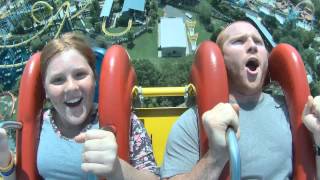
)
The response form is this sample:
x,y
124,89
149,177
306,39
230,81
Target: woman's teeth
x,y
73,102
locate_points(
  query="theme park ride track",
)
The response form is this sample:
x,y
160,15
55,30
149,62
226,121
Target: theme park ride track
x,y
64,8
104,30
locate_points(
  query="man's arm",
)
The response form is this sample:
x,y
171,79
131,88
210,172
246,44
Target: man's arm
x,y
215,122
207,168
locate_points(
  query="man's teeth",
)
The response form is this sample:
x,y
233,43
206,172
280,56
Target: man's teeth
x,y
73,100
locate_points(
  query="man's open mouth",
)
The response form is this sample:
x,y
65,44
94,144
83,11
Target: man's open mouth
x,y
252,64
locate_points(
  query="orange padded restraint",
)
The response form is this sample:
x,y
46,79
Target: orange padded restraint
x,y
286,67
117,78
30,103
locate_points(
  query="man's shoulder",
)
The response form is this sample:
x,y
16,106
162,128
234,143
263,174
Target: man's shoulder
x,y
188,120
186,126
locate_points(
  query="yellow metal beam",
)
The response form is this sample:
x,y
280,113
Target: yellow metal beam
x,y
163,91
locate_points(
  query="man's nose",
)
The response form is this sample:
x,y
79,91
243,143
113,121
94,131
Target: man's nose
x,y
252,46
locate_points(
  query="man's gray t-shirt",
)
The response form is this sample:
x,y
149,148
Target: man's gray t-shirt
x,y
265,142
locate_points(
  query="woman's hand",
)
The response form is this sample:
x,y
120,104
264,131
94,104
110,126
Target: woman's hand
x,y
99,152
311,117
4,148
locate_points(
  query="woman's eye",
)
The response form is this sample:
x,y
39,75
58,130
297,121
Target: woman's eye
x,y
57,81
80,75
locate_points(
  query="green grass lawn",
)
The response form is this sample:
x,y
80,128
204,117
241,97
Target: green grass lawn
x,y
203,33
145,46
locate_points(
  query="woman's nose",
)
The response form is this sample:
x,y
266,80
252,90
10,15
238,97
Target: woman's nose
x,y
71,85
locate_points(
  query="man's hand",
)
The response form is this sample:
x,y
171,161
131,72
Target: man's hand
x,y
99,153
311,117
216,121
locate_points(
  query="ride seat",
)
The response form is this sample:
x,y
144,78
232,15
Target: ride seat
x,y
117,78
209,77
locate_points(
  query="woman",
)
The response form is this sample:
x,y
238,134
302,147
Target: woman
x,y
70,127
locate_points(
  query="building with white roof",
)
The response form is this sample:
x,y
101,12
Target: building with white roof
x,y
136,5
172,37
106,8
134,9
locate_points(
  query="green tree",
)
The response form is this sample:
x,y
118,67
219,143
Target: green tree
x,y
292,41
94,11
238,14
215,2
147,74
97,27
315,88
271,23
123,20
308,56
36,45
154,5
216,31
204,9
27,22
306,37
18,30
316,4
277,34
130,37
116,7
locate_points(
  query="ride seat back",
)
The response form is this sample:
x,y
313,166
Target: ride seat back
x,y
117,78
285,66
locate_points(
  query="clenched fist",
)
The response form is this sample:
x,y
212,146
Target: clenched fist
x,y
311,117
99,152
216,121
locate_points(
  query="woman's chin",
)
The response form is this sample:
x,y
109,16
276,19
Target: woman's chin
x,y
76,119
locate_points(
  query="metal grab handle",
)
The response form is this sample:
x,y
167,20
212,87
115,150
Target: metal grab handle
x,y
234,154
10,125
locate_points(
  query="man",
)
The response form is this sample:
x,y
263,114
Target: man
x,y
266,140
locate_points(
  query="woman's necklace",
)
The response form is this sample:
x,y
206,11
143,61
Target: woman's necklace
x,y
58,132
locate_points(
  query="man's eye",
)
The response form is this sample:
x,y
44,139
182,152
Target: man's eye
x,y
238,41
259,42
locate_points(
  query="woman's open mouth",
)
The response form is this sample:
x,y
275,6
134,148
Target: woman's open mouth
x,y
73,102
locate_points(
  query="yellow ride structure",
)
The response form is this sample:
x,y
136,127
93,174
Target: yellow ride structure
x,y
115,34
158,121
